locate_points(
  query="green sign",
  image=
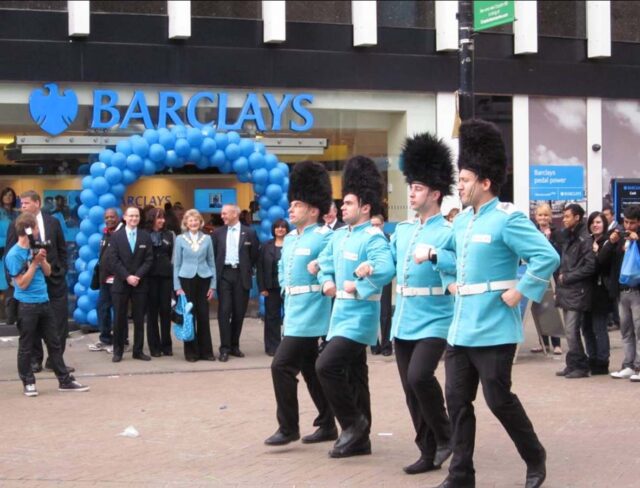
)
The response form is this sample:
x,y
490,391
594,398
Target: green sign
x,y
487,14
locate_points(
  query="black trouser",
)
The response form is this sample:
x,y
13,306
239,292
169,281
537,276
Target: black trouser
x,y
195,289
272,320
159,303
232,306
417,362
344,376
60,323
120,329
295,355
35,322
465,367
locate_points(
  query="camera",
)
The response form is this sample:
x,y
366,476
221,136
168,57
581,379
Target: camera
x,y
624,234
36,245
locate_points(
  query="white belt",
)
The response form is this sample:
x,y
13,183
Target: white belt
x,y
479,288
407,291
343,295
299,290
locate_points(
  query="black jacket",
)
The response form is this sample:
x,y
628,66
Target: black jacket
x,y
574,290
610,258
162,253
124,263
267,267
601,281
248,252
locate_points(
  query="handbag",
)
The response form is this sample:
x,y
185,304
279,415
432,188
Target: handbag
x,y
630,269
95,278
183,331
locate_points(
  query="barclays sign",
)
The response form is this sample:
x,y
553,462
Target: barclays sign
x,y
55,111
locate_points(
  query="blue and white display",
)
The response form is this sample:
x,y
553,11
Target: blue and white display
x,y
155,150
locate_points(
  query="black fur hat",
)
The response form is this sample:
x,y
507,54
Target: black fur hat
x,y
309,183
362,178
427,159
482,151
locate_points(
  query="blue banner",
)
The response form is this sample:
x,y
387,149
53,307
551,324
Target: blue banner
x,y
556,182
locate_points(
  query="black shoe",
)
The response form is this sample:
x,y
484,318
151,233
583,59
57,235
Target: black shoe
x,y
322,434
224,357
142,357
563,372
420,466
443,452
167,353
576,373
353,441
156,354
375,350
387,351
191,360
280,439
236,353
361,448
270,353
450,484
36,367
208,358
536,473
116,358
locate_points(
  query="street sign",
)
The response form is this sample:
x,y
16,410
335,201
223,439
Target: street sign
x,y
487,14
556,182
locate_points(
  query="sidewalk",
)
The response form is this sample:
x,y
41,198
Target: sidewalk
x,y
203,424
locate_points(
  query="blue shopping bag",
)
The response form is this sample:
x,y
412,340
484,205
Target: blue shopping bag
x,y
183,331
630,269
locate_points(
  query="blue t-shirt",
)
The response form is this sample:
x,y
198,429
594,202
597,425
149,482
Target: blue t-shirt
x,y
17,261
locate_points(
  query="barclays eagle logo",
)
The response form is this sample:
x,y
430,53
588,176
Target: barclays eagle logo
x,y
53,112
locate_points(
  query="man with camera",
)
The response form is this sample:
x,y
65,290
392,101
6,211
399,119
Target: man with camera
x,y
51,234
27,265
611,256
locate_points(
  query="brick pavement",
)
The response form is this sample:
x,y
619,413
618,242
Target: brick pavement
x,y
203,424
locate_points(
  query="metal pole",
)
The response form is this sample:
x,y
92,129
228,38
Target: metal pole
x,y
466,53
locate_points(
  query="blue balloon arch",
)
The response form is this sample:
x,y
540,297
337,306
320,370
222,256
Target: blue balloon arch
x,y
151,152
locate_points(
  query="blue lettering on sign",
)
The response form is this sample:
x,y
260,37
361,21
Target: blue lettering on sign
x,y
54,112
556,182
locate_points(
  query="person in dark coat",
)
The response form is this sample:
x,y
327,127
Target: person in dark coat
x,y
574,291
160,284
384,345
267,271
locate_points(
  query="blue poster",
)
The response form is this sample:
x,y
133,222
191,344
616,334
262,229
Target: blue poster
x,y
211,200
556,182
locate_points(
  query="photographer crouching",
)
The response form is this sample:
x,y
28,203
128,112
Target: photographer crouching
x,y
27,265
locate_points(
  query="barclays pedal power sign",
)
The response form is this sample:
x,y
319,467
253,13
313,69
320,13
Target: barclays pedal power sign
x,y
54,110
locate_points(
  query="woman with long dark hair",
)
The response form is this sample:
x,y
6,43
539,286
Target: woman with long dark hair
x,y
160,284
8,202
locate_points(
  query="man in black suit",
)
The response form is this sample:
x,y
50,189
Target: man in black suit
x,y
50,230
331,218
236,250
130,256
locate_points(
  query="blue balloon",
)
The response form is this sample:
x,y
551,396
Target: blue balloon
x,y
284,168
276,176
83,211
270,162
149,167
221,140
261,148
92,317
208,146
258,188
86,182
182,148
105,156
118,190
180,162
96,214
275,213
84,303
97,169
88,227
157,152
135,163
180,131
225,167
171,158
234,137
284,203
92,264
265,225
93,295
83,169
194,137
81,239
78,288
88,197
124,147
194,155
256,160
140,146
232,151
209,131
166,138
94,242
246,147
241,165
218,158
128,177
119,160
264,202
113,175
244,177
106,201
80,265
151,136
100,185
79,316
86,254
264,236
260,176
263,214
274,192
202,163
285,184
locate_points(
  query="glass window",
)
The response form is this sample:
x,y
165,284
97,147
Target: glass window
x,y
562,19
403,13
237,10
31,5
624,21
329,12
130,7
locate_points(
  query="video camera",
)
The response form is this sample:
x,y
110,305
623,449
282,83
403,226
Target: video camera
x,y
36,245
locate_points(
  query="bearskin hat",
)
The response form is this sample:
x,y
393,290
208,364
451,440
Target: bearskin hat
x,y
427,159
309,183
362,178
482,151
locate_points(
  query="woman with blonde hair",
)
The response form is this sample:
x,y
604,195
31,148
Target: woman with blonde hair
x,y
194,275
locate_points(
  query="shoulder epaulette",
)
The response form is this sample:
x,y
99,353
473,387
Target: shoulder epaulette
x,y
373,231
323,229
507,207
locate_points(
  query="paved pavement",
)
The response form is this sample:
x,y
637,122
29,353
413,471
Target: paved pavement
x,y
203,424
